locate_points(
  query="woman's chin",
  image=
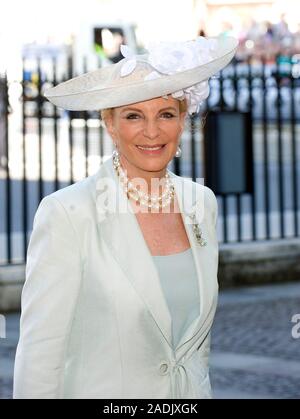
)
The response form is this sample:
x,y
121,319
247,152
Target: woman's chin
x,y
153,166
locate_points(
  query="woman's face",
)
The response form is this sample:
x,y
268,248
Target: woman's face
x,y
147,133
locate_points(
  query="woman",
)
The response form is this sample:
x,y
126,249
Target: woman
x,y
121,277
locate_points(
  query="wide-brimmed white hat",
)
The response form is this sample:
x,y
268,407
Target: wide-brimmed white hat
x,y
178,68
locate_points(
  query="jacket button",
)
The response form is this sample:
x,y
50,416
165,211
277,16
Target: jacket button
x,y
164,368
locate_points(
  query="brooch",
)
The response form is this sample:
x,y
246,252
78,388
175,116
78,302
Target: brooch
x,y
197,231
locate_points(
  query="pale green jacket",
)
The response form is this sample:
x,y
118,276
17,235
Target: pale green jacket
x,y
95,323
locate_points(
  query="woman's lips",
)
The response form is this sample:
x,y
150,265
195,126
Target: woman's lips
x,y
153,150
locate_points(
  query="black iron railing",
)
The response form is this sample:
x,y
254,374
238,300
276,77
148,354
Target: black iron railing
x,y
76,143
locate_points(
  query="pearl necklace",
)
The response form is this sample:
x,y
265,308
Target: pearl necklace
x,y
154,202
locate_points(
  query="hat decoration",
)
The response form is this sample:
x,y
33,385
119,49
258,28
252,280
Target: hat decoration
x,y
168,58
180,69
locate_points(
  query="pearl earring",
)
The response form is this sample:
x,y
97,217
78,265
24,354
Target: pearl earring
x,y
178,152
116,152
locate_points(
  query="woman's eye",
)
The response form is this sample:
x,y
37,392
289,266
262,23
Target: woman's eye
x,y
132,116
167,115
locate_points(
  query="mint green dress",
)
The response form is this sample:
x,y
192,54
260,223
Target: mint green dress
x,y
178,276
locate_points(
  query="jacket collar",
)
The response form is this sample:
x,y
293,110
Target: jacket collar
x,y
118,226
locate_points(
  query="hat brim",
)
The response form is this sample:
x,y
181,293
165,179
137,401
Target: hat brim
x,y
91,91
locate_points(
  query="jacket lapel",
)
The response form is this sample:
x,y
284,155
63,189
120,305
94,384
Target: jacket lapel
x,y
118,226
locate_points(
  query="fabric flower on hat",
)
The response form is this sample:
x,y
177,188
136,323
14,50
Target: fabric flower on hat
x,y
195,96
171,57
130,63
168,58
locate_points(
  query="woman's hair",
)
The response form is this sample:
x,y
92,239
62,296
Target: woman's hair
x,y
107,113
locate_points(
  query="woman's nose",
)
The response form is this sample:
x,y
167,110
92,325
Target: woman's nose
x,y
151,129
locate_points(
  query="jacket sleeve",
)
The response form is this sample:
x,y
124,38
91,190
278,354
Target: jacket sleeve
x,y
213,205
50,292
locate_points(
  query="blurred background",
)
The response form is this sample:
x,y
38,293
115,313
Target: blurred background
x,y
244,145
